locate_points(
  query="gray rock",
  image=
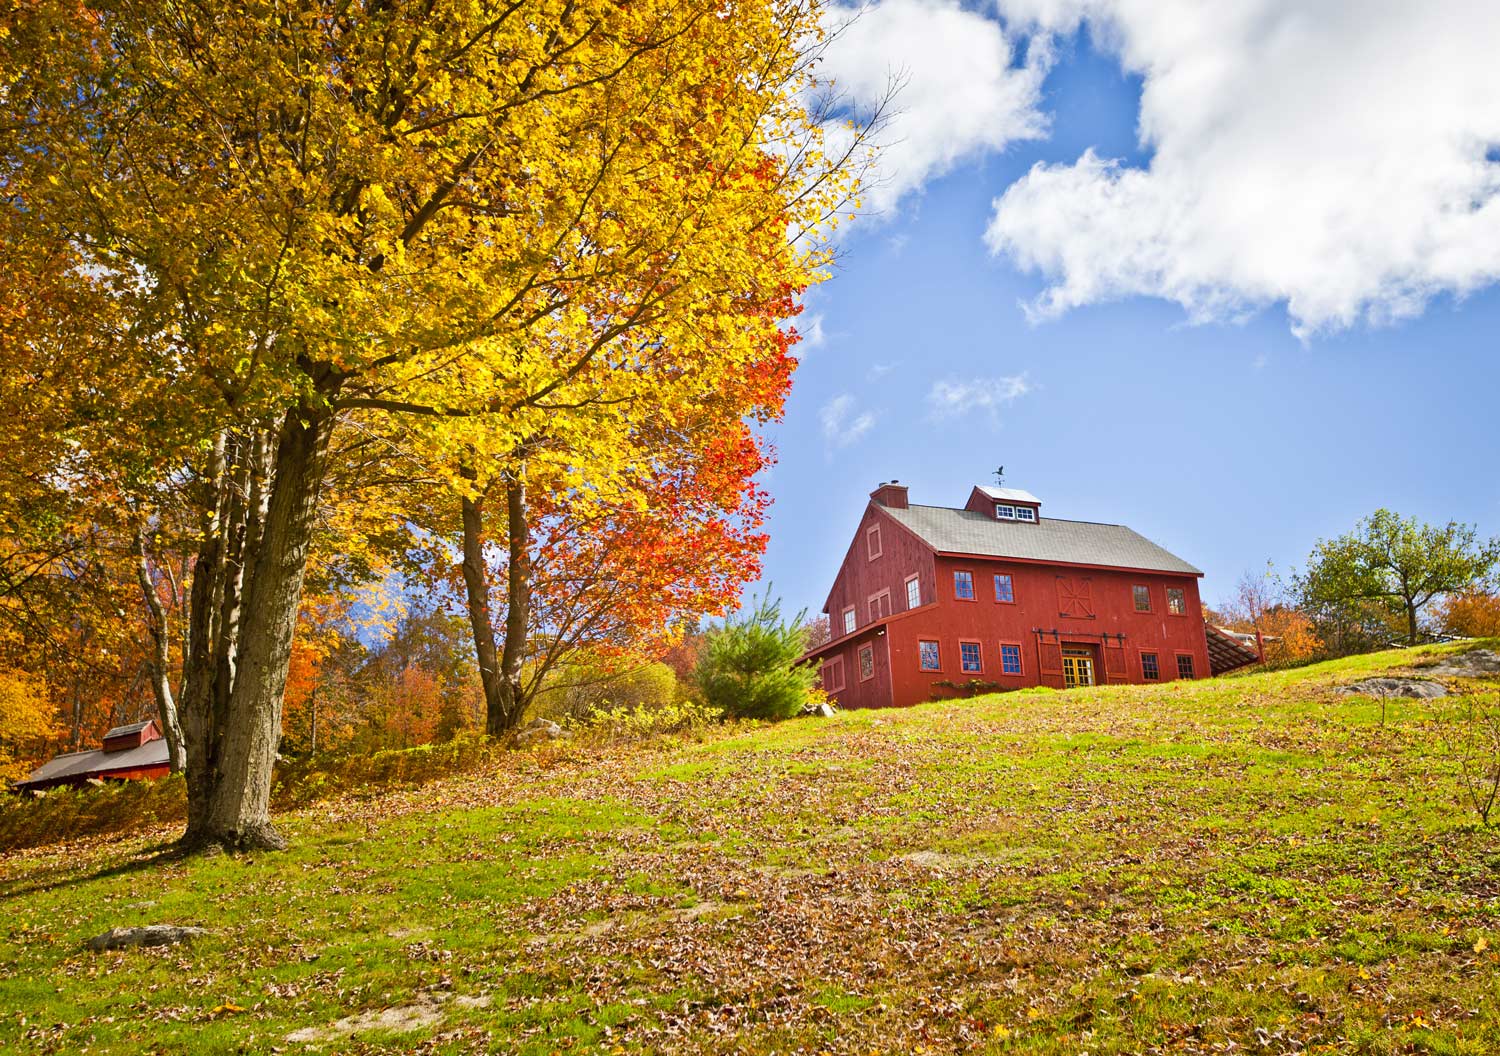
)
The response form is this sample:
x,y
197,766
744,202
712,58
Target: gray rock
x,y
1476,663
1417,688
539,730
150,935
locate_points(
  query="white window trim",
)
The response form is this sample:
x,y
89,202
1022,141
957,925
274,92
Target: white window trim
x,y
910,582
1025,513
1004,512
851,620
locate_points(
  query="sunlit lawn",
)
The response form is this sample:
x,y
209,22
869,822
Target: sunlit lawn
x,y
1251,863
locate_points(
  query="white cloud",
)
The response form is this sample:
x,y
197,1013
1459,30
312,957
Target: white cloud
x,y
812,333
878,371
961,93
842,426
1332,156
952,397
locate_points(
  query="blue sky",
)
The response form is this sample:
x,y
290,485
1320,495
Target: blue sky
x,y
1230,440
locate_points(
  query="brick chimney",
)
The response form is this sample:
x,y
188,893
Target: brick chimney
x,y
891,495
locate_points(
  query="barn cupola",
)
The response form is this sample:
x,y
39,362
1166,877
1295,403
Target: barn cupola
x,y
1011,505
122,738
891,495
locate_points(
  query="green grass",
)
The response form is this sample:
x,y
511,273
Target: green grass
x,y
1250,864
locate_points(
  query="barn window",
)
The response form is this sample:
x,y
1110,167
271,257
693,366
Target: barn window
x,y
1142,598
866,663
833,675
1010,658
1025,513
931,660
1004,512
963,586
880,605
1150,670
850,620
872,542
913,592
1185,666
1005,590
970,660
1176,601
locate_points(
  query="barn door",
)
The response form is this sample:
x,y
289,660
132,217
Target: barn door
x,y
1114,663
1049,662
1075,597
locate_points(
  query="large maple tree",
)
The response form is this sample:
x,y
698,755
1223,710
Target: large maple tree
x,y
477,220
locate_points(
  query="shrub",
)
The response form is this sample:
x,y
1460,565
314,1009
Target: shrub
x,y
637,722
1475,742
67,813
588,685
129,806
748,667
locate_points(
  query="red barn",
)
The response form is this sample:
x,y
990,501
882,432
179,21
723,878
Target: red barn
x,y
933,601
128,753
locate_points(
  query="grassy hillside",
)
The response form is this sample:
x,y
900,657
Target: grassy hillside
x,y
1251,862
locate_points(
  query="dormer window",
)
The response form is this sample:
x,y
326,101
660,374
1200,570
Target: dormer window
x,y
1005,511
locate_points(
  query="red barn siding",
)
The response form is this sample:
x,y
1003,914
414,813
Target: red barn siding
x,y
1036,606
861,578
1089,603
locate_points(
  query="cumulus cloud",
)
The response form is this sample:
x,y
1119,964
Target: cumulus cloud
x,y
1335,157
952,397
961,94
842,422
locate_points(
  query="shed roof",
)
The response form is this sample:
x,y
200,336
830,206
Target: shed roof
x,y
95,761
125,731
1050,539
1227,651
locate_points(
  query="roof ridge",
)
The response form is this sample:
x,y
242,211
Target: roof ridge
x,y
989,520
973,532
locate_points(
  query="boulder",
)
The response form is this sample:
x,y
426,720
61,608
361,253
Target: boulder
x,y
1416,688
150,935
1476,663
539,730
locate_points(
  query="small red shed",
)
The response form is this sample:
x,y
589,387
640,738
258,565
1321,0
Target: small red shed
x,y
128,753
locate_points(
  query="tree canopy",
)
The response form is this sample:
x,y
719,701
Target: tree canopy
x,y
1400,563
271,253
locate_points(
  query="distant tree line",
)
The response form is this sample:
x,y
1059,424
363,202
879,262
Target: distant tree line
x,y
1392,579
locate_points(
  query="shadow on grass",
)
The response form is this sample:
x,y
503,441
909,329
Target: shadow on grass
x,y
149,857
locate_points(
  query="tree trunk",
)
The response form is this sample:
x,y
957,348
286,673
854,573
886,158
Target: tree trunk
x,y
160,663
255,547
500,667
1411,622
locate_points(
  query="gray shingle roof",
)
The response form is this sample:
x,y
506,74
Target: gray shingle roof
x,y
1050,539
80,764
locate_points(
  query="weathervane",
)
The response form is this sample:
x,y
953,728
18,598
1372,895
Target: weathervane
x,y
1000,477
